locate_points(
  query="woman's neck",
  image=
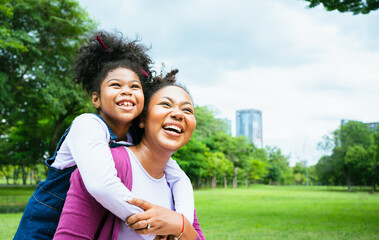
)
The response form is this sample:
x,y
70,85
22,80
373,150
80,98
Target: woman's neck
x,y
153,159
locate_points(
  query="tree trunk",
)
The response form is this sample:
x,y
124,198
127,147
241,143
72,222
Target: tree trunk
x,y
198,183
54,138
225,182
348,183
24,175
214,182
235,180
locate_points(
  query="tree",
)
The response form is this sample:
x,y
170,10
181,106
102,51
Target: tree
x,y
278,169
373,163
354,6
350,139
206,124
299,173
192,159
38,42
353,160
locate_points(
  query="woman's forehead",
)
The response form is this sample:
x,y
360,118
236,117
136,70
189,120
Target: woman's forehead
x,y
174,93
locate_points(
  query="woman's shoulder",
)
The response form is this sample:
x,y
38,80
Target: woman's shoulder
x,y
121,158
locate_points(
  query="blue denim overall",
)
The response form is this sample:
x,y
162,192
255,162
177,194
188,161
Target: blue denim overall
x,y
41,215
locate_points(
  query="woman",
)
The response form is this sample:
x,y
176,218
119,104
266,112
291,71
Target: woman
x,y
168,121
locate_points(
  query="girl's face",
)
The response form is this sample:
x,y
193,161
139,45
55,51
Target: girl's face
x,y
170,119
121,98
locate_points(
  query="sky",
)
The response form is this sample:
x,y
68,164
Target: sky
x,y
304,68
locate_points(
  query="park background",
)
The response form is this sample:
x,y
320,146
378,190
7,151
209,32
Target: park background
x,y
243,192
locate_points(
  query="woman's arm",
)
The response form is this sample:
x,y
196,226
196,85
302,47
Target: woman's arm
x,y
88,144
181,188
162,221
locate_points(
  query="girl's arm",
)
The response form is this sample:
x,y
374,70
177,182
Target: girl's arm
x,y
181,188
88,144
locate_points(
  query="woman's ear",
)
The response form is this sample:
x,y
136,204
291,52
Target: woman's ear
x,y
141,123
96,100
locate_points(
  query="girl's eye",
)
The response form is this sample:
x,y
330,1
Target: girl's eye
x,y
115,84
136,86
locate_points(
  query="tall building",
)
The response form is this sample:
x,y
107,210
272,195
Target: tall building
x,y
228,125
373,126
249,124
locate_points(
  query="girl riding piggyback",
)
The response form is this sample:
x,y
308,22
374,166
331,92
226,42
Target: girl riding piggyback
x,y
114,71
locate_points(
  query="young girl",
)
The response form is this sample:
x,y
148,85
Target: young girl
x,y
169,121
114,71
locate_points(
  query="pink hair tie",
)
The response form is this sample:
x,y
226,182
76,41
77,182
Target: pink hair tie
x,y
144,72
101,43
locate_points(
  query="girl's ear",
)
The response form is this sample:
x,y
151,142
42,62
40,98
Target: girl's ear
x,y
96,100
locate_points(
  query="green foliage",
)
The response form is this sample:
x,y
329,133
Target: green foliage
x,y
38,42
206,124
353,160
214,154
354,6
279,170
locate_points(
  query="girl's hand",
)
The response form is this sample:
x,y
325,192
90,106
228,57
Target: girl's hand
x,y
155,220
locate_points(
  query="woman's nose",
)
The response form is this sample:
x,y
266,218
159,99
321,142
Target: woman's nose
x,y
177,114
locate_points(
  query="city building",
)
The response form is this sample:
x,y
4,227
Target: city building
x,y
228,125
249,124
372,125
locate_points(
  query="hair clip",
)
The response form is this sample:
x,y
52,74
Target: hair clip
x,y
101,43
144,72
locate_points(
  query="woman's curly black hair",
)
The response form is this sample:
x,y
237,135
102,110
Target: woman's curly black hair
x,y
157,83
95,60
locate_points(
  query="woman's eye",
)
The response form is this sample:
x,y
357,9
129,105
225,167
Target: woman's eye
x,y
188,110
166,104
136,86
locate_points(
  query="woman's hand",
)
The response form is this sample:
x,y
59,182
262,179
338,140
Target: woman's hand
x,y
155,220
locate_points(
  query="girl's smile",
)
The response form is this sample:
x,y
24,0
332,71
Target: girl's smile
x,y
120,99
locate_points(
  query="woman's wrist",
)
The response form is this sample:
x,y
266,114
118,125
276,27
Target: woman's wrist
x,y
182,229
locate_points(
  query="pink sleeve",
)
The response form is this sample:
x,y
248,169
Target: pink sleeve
x,y
196,225
81,214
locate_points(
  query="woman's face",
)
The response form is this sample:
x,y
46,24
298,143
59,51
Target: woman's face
x,y
121,97
170,119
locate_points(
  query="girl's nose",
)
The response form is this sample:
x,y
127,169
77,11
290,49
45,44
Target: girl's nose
x,y
126,91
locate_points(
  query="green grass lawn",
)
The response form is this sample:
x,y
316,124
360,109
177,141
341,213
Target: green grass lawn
x,y
275,212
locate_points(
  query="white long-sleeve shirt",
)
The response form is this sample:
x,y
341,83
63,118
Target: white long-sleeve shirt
x,y
87,146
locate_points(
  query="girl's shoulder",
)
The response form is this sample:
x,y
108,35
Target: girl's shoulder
x,y
89,119
90,124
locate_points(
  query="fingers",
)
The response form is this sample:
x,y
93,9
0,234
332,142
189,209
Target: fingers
x,y
140,225
137,218
159,237
145,205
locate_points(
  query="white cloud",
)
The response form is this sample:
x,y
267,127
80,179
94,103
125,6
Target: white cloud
x,y
306,69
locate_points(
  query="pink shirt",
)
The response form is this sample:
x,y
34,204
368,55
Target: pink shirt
x,y
84,218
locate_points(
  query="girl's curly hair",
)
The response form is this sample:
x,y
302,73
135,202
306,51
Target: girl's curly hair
x,y
95,60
